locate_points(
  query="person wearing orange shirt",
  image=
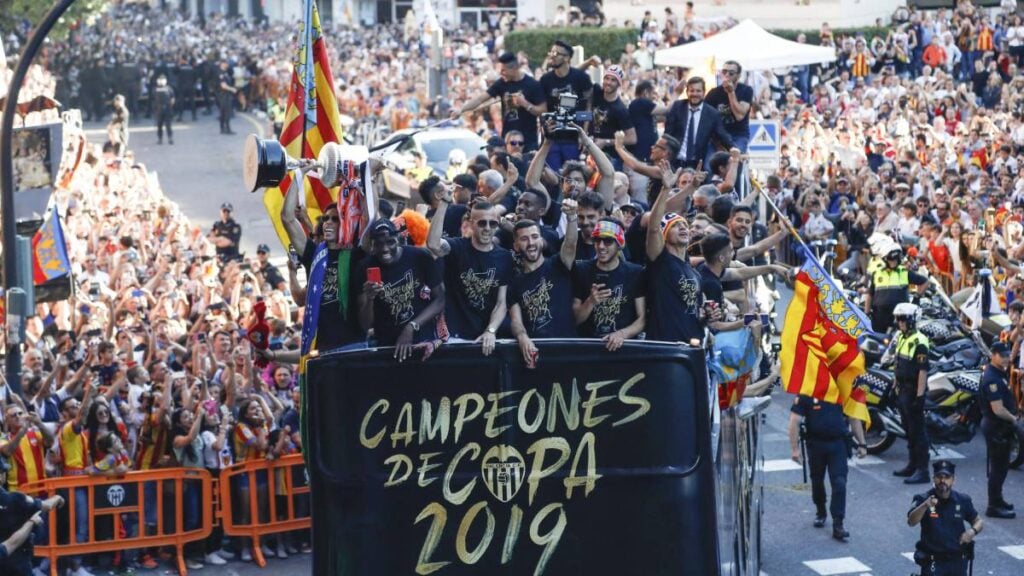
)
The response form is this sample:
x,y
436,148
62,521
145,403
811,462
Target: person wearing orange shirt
x,y
934,55
24,446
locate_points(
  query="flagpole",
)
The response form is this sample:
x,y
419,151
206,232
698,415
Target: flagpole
x,y
782,217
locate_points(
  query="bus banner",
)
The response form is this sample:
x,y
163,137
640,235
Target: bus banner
x,y
595,462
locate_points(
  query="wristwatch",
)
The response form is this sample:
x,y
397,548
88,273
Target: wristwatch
x,y
415,325
491,330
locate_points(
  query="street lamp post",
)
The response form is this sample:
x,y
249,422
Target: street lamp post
x,y
10,235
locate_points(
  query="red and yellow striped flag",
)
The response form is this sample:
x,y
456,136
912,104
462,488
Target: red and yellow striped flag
x,y
311,120
819,358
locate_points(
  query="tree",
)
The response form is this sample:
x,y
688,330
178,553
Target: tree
x,y
15,13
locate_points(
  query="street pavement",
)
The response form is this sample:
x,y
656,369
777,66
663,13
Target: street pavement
x,y
202,170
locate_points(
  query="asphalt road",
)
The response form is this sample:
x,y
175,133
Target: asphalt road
x,y
203,169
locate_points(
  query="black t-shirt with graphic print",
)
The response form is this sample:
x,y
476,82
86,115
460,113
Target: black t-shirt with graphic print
x,y
472,279
609,118
675,300
408,283
544,297
514,117
626,282
718,99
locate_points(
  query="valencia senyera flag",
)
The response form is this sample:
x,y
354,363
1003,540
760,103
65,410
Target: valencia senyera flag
x,y
820,355
311,120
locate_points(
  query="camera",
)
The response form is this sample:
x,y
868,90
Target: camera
x,y
565,114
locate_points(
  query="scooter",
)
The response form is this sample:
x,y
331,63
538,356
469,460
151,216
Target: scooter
x,y
952,413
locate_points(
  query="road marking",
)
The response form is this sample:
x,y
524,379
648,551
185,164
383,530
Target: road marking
x,y
1015,551
944,453
138,130
783,464
845,565
780,465
866,461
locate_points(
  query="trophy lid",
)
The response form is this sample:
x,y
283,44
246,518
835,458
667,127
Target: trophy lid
x,y
264,163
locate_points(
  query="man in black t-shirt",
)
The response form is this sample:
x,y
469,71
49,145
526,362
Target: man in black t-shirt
x,y
643,111
540,297
476,272
533,204
732,99
522,100
609,291
611,116
401,293
561,78
673,284
267,271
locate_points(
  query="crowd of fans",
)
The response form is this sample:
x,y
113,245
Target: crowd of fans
x,y
917,134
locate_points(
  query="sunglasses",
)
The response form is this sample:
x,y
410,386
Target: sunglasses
x,y
516,142
486,223
332,219
602,240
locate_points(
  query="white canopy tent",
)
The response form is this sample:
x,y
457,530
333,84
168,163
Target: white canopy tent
x,y
750,45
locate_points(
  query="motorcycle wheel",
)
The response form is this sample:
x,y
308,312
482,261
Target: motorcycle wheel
x,y
1017,454
877,438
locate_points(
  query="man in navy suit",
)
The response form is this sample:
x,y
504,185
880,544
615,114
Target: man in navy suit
x,y
695,124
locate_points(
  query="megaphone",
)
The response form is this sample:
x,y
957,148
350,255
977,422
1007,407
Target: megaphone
x,y
265,163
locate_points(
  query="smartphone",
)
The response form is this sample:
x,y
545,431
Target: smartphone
x,y
245,266
138,293
84,309
94,289
201,337
94,333
602,278
373,275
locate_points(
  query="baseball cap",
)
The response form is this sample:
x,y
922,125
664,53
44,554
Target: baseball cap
x,y
635,206
943,467
495,142
615,72
227,206
383,226
263,248
1000,348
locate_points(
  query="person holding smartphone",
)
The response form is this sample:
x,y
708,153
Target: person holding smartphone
x,y
608,300
402,293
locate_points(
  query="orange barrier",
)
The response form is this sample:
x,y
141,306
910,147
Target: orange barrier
x,y
116,496
283,478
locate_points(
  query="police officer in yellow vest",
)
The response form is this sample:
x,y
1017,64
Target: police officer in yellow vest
x,y
890,286
911,348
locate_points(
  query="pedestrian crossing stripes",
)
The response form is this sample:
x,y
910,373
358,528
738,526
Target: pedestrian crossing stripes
x,y
1015,551
944,453
844,565
783,464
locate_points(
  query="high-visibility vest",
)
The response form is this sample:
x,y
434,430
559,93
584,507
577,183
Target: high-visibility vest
x,y
906,345
886,279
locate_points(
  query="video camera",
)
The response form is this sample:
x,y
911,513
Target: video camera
x,y
564,115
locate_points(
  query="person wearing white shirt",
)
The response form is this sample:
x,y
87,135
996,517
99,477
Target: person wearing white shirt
x,y
886,220
908,224
817,226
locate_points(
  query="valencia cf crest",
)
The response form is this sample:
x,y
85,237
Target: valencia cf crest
x,y
504,471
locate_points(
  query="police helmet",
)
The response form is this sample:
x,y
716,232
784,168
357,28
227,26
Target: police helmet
x,y
894,254
907,312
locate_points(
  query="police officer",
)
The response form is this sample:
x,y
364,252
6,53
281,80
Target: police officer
x,y
19,512
267,271
163,109
911,349
226,234
998,423
186,86
826,433
225,96
889,286
942,513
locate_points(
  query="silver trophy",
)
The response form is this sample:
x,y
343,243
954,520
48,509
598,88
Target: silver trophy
x,y
265,163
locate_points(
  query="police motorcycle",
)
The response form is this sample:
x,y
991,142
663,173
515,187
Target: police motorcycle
x,y
952,411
